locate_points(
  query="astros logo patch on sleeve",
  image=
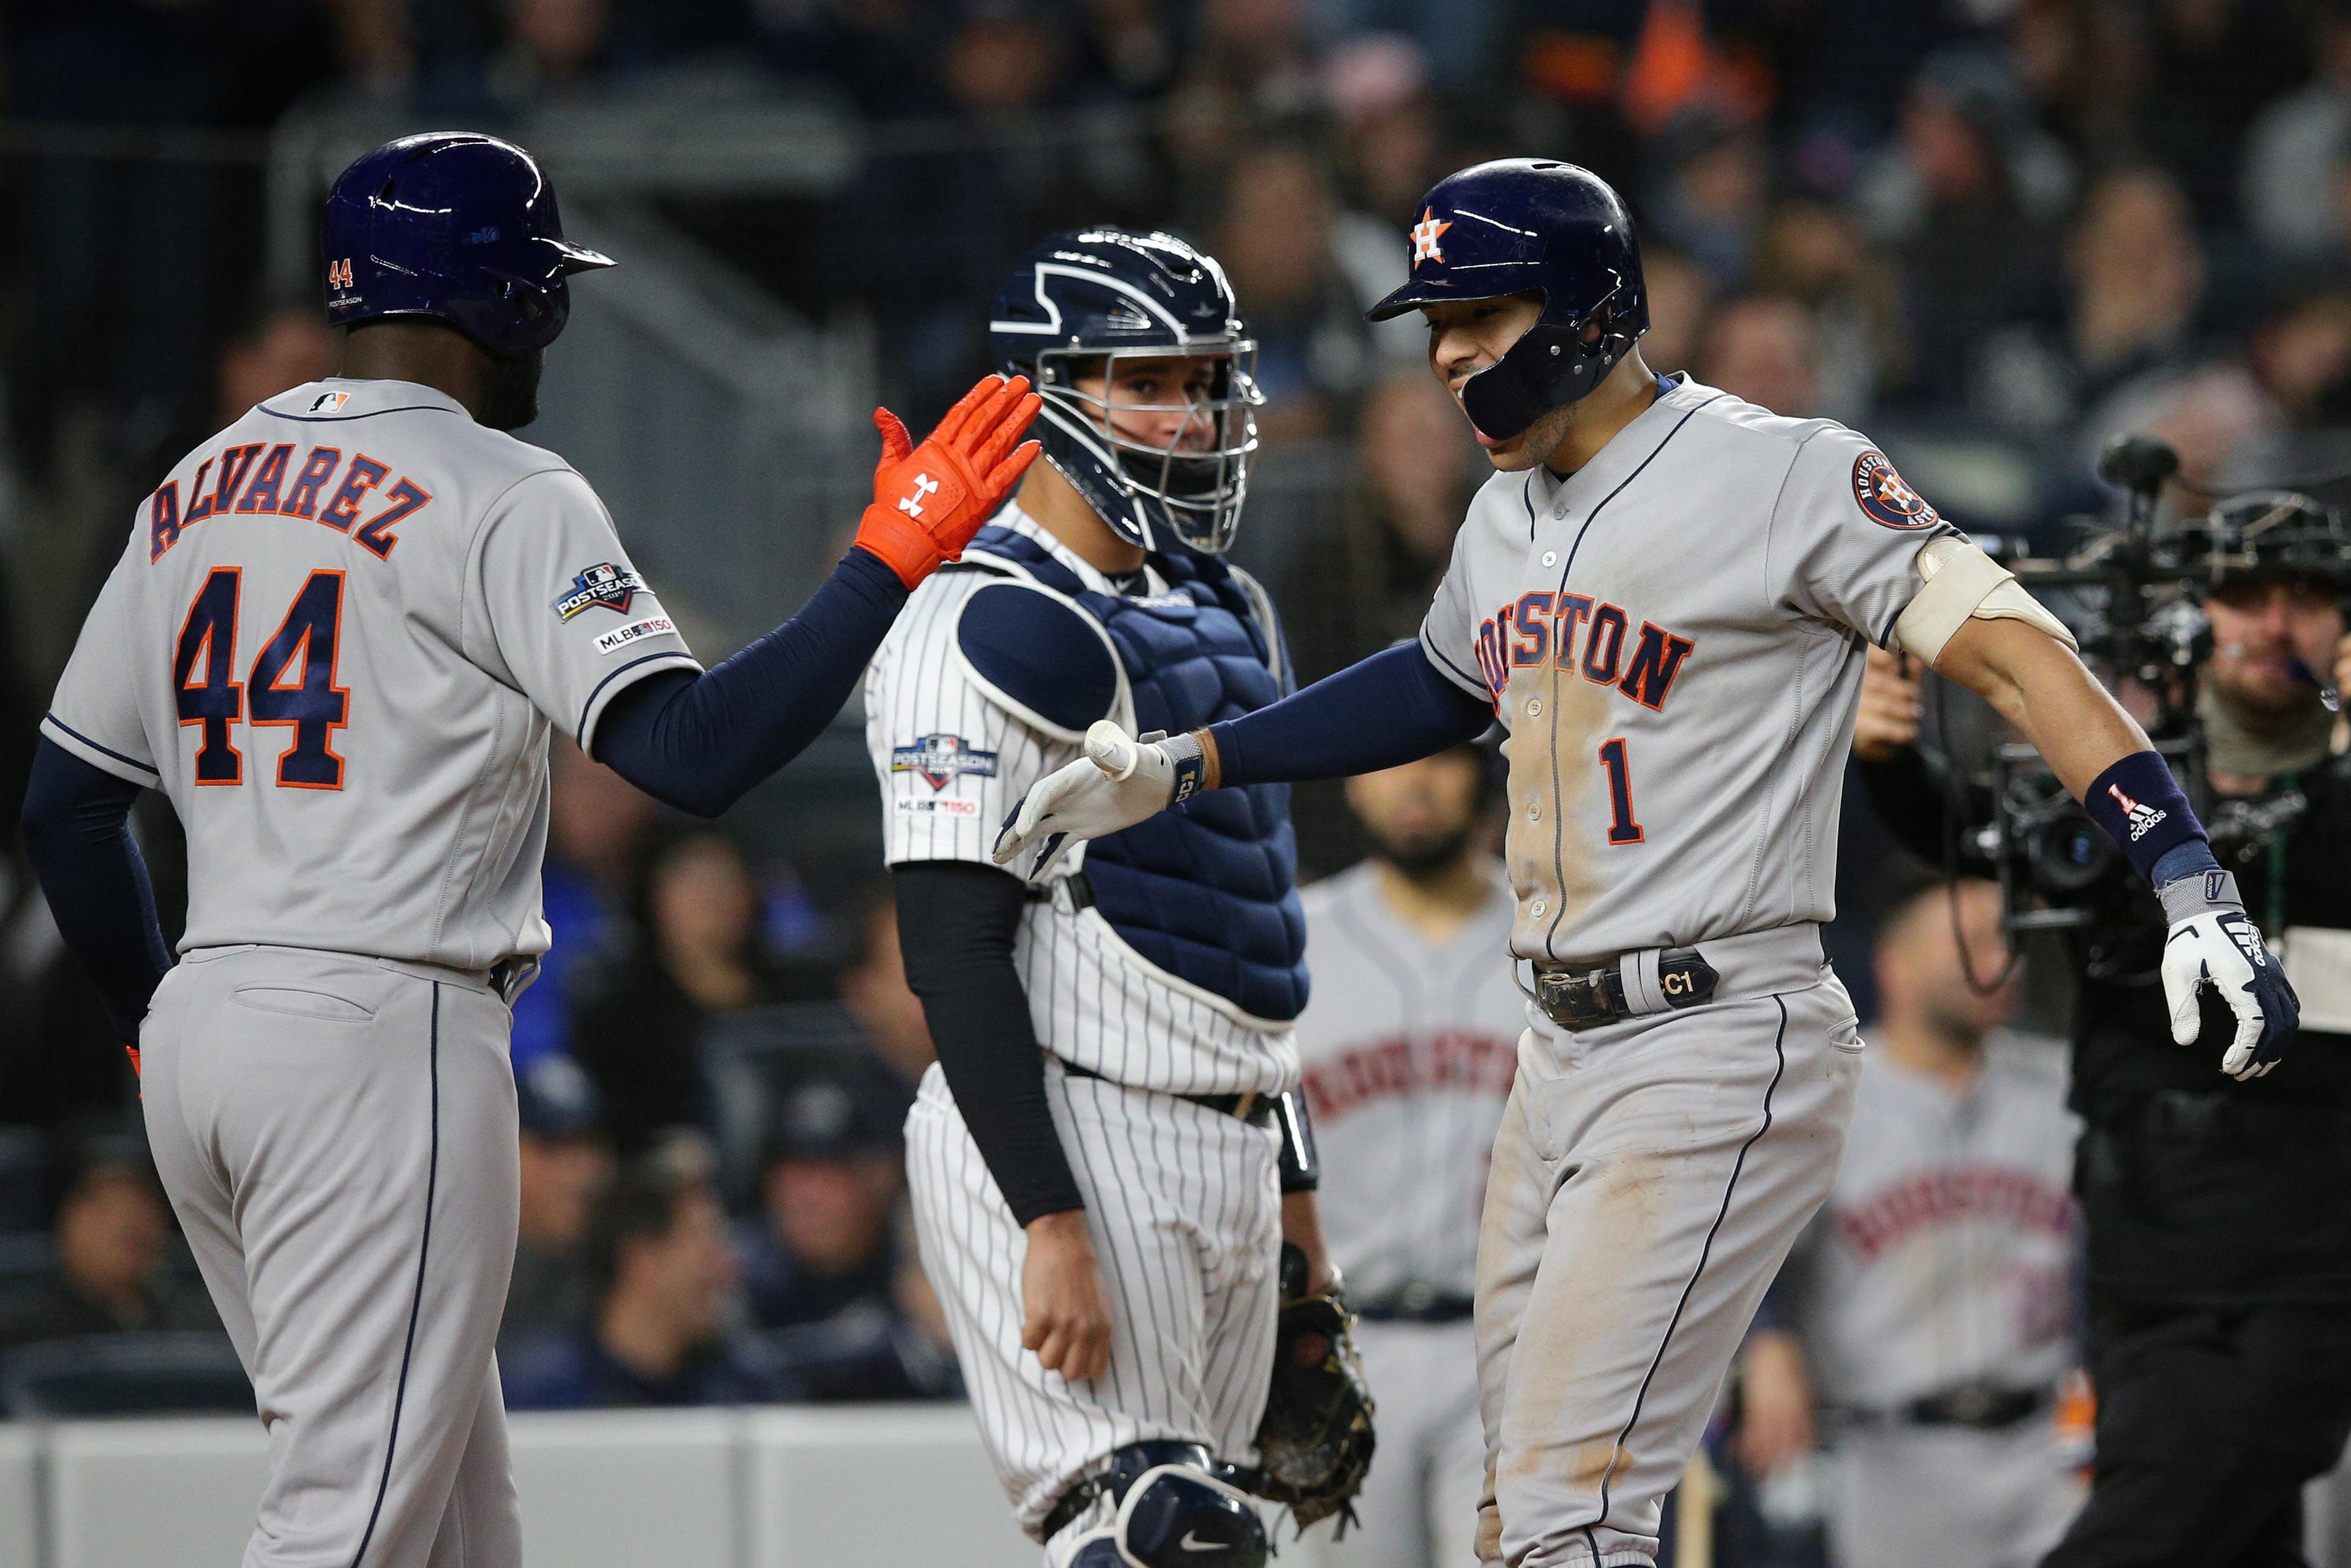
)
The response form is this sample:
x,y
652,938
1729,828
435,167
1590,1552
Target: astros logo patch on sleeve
x,y
1889,502
603,583
941,759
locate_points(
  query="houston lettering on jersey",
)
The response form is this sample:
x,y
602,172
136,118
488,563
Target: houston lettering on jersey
x,y
1574,632
1980,1193
1395,1068
262,478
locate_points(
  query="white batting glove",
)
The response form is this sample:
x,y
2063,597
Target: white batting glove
x,y
1120,780
2214,943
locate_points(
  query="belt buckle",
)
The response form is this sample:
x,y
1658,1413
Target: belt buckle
x,y
1576,998
1248,1102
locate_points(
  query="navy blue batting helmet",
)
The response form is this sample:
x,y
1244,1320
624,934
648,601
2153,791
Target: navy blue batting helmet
x,y
457,225
1531,225
1078,305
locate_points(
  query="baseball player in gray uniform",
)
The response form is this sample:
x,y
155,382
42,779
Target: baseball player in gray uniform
x,y
1932,1300
1096,1162
1408,1046
1664,594
338,639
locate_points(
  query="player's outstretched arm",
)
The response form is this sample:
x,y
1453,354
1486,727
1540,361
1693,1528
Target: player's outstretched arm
x,y
1391,708
698,742
2103,757
77,826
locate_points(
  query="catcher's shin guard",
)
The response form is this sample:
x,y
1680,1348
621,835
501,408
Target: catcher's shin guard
x,y
1172,1515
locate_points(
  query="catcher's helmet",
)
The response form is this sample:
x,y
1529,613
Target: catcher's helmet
x,y
1520,226
1082,300
2264,535
453,225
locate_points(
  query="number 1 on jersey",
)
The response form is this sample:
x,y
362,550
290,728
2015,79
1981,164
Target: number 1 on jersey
x,y
313,705
1622,828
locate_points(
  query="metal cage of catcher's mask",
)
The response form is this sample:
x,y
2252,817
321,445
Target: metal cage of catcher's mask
x,y
1196,483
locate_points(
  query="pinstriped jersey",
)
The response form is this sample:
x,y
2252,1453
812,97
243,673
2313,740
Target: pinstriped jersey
x,y
337,639
1408,1048
1673,639
953,758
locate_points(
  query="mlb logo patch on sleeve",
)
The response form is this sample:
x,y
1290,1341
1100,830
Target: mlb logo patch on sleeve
x,y
941,759
603,583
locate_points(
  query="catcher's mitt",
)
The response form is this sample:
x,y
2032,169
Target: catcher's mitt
x,y
1314,1445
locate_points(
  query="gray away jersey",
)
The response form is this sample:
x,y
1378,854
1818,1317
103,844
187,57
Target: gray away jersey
x,y
1408,1048
1947,1251
336,639
1673,637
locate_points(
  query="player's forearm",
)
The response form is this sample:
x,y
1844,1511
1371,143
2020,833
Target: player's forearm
x,y
1301,1227
1391,708
77,827
699,742
957,922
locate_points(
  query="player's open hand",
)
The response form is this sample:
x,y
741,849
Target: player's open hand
x,y
1065,1313
1120,780
1888,717
928,500
1775,1404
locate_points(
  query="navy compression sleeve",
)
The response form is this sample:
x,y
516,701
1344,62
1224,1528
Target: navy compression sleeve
x,y
76,823
698,742
1393,709
957,922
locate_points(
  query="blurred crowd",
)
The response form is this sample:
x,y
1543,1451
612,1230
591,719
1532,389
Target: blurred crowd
x,y
1989,231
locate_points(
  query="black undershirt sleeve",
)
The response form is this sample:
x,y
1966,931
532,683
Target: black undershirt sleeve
x,y
77,827
956,921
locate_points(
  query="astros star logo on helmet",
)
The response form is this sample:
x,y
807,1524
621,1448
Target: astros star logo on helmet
x,y
1424,236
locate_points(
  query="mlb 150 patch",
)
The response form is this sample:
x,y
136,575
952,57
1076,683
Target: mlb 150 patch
x,y
1889,502
941,759
603,584
612,642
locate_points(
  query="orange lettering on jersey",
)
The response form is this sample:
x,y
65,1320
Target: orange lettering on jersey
x,y
163,520
302,501
342,509
1604,644
376,537
236,463
1657,660
200,504
261,496
1570,632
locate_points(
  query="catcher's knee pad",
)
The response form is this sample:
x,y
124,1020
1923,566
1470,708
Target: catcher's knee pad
x,y
1172,1513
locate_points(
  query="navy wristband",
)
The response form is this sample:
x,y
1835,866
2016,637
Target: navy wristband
x,y
2142,807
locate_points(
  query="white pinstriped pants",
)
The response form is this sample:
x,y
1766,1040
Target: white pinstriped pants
x,y
1184,1205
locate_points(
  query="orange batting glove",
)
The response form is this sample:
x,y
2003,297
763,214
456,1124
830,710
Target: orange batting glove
x,y
928,500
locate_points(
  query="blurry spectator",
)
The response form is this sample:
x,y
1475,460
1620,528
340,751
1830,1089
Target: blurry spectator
x,y
1965,200
2301,355
1680,295
831,1176
597,824
285,347
1760,346
1253,65
1712,201
2085,66
2215,62
874,992
894,1349
1814,252
555,48
113,1236
565,1167
1364,578
1276,241
636,1026
1928,1314
659,1329
1391,146
2136,272
2297,146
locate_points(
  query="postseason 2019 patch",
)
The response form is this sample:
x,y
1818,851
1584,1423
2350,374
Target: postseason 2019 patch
x,y
603,583
940,760
1889,502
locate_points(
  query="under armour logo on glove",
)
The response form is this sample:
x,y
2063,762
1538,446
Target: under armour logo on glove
x,y
912,502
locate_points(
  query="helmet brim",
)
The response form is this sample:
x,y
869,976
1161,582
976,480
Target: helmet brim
x,y
1415,294
580,258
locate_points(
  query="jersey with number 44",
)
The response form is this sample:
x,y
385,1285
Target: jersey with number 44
x,y
337,639
1673,638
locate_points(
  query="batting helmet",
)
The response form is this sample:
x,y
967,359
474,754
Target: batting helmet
x,y
1531,225
457,225
2264,535
1077,304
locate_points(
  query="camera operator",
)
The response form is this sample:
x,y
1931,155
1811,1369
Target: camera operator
x,y
2218,1213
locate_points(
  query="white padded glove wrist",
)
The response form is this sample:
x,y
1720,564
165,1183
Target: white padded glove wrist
x,y
2212,941
1120,780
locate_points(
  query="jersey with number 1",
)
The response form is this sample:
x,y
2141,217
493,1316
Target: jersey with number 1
x,y
1673,638
338,638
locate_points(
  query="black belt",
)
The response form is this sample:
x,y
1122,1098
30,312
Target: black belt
x,y
1417,1302
1586,998
1984,1406
1081,891
1252,1105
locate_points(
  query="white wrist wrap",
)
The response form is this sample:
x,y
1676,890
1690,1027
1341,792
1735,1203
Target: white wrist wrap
x,y
1960,582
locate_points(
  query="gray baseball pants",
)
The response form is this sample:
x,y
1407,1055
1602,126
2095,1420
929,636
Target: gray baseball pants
x,y
337,1134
